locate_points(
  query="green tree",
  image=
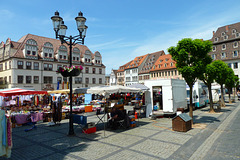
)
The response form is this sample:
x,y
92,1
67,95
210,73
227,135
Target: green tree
x,y
191,58
208,78
230,82
221,69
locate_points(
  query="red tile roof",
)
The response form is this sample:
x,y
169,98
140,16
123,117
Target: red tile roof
x,y
123,67
164,62
41,41
136,62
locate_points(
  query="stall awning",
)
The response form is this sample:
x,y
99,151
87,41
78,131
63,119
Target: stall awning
x,y
19,91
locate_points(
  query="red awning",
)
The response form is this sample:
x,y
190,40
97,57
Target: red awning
x,y
18,91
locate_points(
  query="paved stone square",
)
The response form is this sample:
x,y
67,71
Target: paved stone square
x,y
151,139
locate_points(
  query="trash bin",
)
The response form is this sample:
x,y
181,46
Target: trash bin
x,y
182,123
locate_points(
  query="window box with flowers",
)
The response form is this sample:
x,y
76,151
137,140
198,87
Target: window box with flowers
x,y
67,71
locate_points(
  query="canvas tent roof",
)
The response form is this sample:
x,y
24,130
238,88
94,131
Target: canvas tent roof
x,y
19,91
140,86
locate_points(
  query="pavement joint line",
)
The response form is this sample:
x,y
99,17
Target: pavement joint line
x,y
201,152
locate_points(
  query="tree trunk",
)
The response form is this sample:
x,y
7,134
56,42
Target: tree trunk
x,y
210,98
190,105
222,99
229,97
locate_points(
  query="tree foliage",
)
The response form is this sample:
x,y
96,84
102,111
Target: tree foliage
x,y
230,82
191,58
222,72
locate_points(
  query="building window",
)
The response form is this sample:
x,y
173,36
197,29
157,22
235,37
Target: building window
x,y
224,47
100,80
225,37
10,64
10,79
65,79
214,48
28,65
48,67
46,54
215,39
33,53
223,55
127,79
165,65
234,31
237,35
20,64
94,80
28,52
223,33
36,65
78,80
235,44
1,67
5,80
59,79
93,70
50,55
47,80
230,65
235,65
28,79
20,79
64,57
171,64
87,80
213,56
86,70
235,53
36,79
60,56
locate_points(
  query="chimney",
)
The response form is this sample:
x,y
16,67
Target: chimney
x,y
226,28
213,33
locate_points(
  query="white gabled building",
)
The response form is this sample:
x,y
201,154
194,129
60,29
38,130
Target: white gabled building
x,y
32,62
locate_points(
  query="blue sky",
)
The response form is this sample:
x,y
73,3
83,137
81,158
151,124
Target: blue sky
x,y
120,30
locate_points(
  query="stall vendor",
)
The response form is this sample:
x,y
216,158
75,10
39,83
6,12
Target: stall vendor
x,y
116,115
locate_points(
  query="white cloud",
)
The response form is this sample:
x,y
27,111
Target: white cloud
x,y
6,14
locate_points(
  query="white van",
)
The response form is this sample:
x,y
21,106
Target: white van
x,y
200,94
165,95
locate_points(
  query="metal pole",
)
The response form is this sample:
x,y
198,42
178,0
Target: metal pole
x,y
71,130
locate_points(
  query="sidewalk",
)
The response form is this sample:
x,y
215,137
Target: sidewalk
x,y
152,139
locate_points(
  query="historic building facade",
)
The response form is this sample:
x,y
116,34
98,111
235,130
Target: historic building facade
x,y
165,68
144,73
226,46
32,62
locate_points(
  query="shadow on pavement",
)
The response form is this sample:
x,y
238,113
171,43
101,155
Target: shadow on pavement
x,y
205,119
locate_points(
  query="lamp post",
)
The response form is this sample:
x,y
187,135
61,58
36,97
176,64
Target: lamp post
x,y
60,31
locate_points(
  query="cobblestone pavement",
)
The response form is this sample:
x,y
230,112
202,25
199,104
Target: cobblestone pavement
x,y
151,139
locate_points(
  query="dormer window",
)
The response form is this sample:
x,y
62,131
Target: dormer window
x,y
74,58
62,53
159,66
47,51
166,59
237,35
165,65
160,61
225,37
64,57
31,48
234,31
60,56
50,55
222,34
215,39
171,64
45,55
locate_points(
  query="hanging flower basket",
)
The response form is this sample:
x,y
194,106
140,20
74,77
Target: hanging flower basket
x,y
68,71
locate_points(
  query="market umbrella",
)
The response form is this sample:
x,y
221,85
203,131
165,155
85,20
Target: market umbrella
x,y
19,91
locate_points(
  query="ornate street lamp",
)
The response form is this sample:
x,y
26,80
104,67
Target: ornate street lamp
x,y
60,31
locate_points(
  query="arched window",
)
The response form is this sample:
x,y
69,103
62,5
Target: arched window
x,y
48,50
31,47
